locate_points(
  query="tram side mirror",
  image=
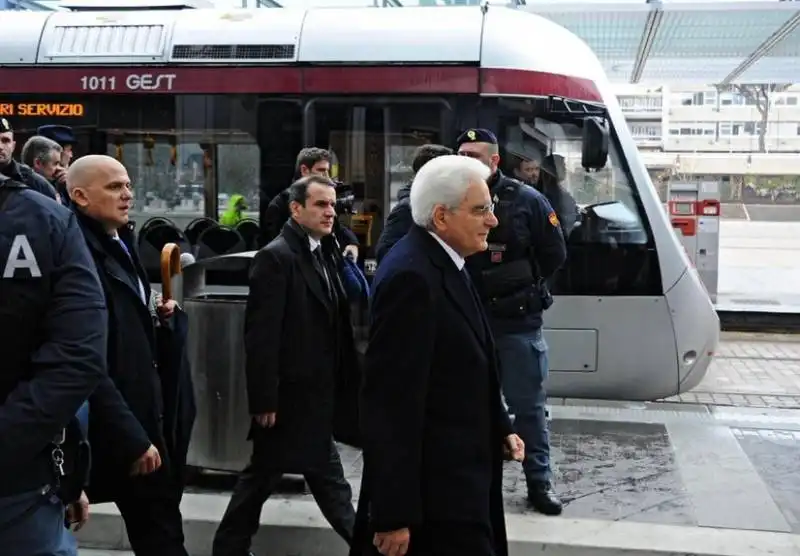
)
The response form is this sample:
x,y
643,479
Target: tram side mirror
x,y
594,152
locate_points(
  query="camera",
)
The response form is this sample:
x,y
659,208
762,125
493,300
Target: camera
x,y
345,198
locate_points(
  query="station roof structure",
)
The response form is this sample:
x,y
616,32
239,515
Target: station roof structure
x,y
680,41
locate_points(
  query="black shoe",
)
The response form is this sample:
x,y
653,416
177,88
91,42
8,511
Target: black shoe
x,y
543,499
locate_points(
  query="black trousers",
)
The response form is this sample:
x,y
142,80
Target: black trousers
x,y
150,506
255,485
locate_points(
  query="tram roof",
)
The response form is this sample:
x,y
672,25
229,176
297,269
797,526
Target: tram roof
x,y
667,41
647,41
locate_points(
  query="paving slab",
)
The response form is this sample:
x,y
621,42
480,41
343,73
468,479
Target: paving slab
x,y
751,370
637,478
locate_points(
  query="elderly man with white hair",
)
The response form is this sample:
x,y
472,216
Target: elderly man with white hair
x,y
434,425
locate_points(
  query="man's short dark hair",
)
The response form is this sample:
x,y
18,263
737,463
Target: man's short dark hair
x,y
298,191
311,155
426,153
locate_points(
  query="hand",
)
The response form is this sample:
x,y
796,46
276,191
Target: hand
x,y
78,512
147,463
514,448
165,309
60,176
351,251
392,543
265,420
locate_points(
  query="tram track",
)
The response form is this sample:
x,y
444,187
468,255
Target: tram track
x,y
759,321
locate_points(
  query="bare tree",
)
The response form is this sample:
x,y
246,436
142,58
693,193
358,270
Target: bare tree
x,y
759,95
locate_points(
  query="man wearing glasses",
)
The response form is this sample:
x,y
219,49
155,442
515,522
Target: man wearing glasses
x,y
525,251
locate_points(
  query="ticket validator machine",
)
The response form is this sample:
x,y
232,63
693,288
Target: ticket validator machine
x,y
694,210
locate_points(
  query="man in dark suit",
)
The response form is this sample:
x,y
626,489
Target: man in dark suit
x,y
297,336
434,427
132,459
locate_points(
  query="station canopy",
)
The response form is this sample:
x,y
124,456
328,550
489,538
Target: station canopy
x,y
728,42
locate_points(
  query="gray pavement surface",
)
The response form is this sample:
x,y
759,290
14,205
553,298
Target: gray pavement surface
x,y
759,266
751,370
699,469
642,477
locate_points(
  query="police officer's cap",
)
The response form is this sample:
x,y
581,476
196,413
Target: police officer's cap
x,y
477,135
61,134
5,126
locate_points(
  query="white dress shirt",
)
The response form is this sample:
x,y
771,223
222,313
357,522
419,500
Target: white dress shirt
x,y
458,260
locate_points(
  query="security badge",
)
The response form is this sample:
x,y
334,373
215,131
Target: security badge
x,y
496,252
553,219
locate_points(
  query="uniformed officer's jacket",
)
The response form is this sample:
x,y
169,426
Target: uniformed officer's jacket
x,y
25,174
528,230
53,324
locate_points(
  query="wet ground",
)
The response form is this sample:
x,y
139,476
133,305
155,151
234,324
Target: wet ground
x,y
679,464
724,455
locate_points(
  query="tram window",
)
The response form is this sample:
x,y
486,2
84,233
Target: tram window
x,y
237,170
610,249
372,144
186,154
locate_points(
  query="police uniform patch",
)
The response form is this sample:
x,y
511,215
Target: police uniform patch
x,y
553,219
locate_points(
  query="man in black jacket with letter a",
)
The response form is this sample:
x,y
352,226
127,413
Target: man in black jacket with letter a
x,y
53,342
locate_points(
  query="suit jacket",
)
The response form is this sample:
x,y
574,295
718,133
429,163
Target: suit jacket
x,y
432,418
296,340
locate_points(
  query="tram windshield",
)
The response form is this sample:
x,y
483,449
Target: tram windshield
x,y
610,248
544,150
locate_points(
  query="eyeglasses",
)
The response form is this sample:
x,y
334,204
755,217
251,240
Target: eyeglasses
x,y
483,210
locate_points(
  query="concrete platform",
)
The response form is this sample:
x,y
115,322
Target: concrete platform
x,y
759,266
751,370
638,479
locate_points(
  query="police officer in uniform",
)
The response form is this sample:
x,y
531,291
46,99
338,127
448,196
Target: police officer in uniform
x,y
16,171
53,343
525,250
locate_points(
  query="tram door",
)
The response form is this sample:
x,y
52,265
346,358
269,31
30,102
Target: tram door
x,y
373,144
280,138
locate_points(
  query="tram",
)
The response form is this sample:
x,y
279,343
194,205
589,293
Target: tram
x,y
203,104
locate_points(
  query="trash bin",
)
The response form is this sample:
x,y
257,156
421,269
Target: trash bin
x,y
214,295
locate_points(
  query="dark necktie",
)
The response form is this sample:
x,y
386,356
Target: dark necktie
x,y
319,264
476,300
135,274
125,248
